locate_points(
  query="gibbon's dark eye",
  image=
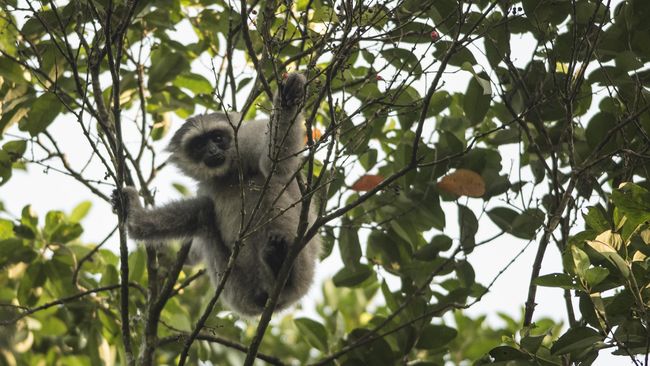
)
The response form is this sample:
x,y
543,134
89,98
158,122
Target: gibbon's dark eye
x,y
196,147
217,136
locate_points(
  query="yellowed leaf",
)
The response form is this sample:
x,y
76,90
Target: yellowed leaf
x,y
638,257
600,247
614,240
316,134
645,235
367,182
463,182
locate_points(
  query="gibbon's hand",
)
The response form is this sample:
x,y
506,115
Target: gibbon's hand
x,y
293,89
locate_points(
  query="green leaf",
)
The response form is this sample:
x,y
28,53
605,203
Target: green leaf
x,y
5,167
13,250
497,40
368,159
59,274
10,34
180,188
628,61
595,275
595,219
391,301
430,251
576,339
384,249
611,256
351,276
53,220
475,102
537,168
503,217
66,232
166,64
367,92
136,265
162,122
507,353
461,56
11,71
531,343
243,82
597,132
377,352
441,242
435,336
15,149
440,101
314,332
587,11
29,218
41,114
80,211
30,283
580,260
426,253
560,280
526,224
349,243
195,83
465,273
25,232
110,276
403,60
53,327
468,228
546,14
412,32
6,229
633,200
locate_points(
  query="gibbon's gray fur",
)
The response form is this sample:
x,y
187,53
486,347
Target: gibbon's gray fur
x,y
204,149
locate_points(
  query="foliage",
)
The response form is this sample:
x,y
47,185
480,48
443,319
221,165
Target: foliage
x,y
386,135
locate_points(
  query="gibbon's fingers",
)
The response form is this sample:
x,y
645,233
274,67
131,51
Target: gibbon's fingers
x,y
293,90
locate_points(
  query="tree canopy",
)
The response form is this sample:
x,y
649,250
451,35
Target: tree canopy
x,y
431,128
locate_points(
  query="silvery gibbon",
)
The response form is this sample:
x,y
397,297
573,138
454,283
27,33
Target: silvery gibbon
x,y
267,155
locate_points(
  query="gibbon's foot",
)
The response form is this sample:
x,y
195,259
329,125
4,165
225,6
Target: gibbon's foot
x,y
116,198
276,251
124,198
293,89
260,298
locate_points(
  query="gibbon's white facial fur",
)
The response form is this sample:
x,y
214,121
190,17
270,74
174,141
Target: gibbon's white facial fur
x,y
267,153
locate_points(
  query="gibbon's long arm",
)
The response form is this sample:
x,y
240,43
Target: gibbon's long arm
x,y
285,132
179,219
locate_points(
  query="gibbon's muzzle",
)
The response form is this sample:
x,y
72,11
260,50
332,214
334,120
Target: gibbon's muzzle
x,y
214,160
213,156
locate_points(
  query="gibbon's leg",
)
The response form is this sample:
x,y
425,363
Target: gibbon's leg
x,y
180,219
275,252
280,236
285,128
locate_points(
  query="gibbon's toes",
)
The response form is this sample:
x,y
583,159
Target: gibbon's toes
x,y
260,298
116,198
276,251
122,198
293,89
278,242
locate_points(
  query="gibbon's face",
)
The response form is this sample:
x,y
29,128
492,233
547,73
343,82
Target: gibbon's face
x,y
201,148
